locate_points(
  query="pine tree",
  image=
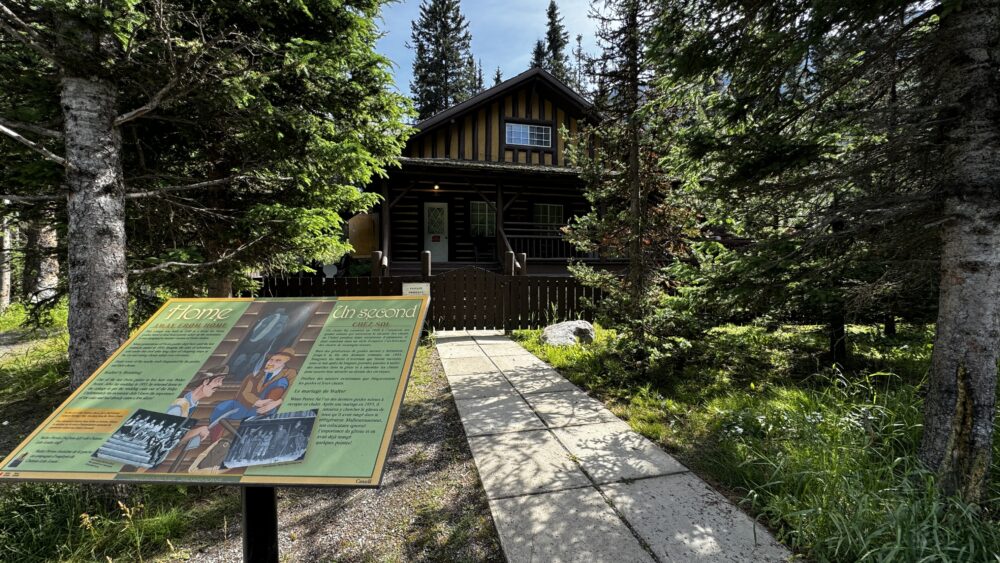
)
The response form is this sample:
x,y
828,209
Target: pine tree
x,y
868,131
556,40
480,84
628,186
443,71
206,141
497,76
578,68
539,57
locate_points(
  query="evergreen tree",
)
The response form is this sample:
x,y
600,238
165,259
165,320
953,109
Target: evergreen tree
x,y
556,40
630,190
539,57
212,138
851,128
578,68
480,81
497,76
443,69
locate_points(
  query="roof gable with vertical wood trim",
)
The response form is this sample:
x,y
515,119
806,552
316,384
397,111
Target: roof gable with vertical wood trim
x,y
475,130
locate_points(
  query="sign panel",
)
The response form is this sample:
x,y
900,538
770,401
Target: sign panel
x,y
241,391
419,288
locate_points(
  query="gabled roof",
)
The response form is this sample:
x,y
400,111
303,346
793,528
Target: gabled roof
x,y
502,88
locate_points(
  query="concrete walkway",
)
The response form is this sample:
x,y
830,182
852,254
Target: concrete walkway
x,y
569,481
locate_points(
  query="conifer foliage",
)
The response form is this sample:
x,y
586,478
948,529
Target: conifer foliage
x,y
444,71
556,40
634,213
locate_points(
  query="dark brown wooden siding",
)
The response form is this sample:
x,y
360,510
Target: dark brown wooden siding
x,y
480,133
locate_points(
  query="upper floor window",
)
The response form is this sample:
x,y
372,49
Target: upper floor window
x,y
530,135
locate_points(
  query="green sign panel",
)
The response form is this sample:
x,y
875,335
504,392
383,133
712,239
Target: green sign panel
x,y
242,391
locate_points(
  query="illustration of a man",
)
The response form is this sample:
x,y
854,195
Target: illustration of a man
x,y
261,393
205,384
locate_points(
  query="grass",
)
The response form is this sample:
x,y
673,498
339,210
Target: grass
x,y
825,456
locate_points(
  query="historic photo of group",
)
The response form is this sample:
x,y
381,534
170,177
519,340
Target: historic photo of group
x,y
228,416
145,439
280,438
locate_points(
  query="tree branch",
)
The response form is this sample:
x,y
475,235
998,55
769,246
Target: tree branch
x,y
33,145
149,106
219,260
8,198
195,186
29,37
37,130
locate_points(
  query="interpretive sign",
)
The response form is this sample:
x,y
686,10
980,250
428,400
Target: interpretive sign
x,y
418,288
241,391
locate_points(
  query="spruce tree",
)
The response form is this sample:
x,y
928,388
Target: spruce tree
x,y
870,127
539,57
497,76
578,68
632,212
480,81
443,68
556,40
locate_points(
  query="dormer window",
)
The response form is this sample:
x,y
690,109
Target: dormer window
x,y
529,135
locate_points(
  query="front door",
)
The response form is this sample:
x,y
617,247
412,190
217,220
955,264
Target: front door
x,y
436,230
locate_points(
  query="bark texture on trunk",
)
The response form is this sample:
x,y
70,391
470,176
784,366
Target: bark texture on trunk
x,y
98,283
960,406
220,287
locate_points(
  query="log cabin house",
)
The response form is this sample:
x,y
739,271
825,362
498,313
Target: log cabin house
x,y
484,177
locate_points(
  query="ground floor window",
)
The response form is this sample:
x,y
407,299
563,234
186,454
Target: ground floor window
x,y
548,214
483,219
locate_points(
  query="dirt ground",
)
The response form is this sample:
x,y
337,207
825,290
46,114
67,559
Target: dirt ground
x,y
431,506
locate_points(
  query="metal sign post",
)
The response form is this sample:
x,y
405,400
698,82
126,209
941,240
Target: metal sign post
x,y
260,524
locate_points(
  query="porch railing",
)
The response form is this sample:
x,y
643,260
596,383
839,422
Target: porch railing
x,y
541,241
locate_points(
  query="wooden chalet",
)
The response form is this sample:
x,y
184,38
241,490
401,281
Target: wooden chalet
x,y
485,177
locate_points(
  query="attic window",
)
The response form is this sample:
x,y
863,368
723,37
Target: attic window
x,y
529,135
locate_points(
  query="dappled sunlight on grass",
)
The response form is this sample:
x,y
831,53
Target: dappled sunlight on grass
x,y
825,454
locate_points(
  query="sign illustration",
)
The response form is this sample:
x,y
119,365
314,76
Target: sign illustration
x,y
241,391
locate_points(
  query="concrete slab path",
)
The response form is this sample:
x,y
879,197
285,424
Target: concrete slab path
x,y
567,480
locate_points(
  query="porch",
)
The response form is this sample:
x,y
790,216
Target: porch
x,y
468,213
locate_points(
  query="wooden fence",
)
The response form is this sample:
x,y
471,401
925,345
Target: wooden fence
x,y
466,298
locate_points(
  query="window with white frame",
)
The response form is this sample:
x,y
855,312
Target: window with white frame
x,y
548,214
483,219
529,135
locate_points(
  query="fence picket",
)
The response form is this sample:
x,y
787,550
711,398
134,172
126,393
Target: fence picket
x,y
466,298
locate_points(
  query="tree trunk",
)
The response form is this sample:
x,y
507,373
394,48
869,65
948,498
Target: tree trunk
x,y
638,277
98,283
838,336
890,325
40,277
960,405
32,258
220,286
6,233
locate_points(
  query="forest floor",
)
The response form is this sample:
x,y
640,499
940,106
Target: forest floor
x,y
431,505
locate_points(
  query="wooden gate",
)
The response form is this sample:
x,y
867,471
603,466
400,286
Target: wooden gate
x,y
466,298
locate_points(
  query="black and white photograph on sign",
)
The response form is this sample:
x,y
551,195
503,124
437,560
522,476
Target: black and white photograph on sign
x,y
145,439
279,438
